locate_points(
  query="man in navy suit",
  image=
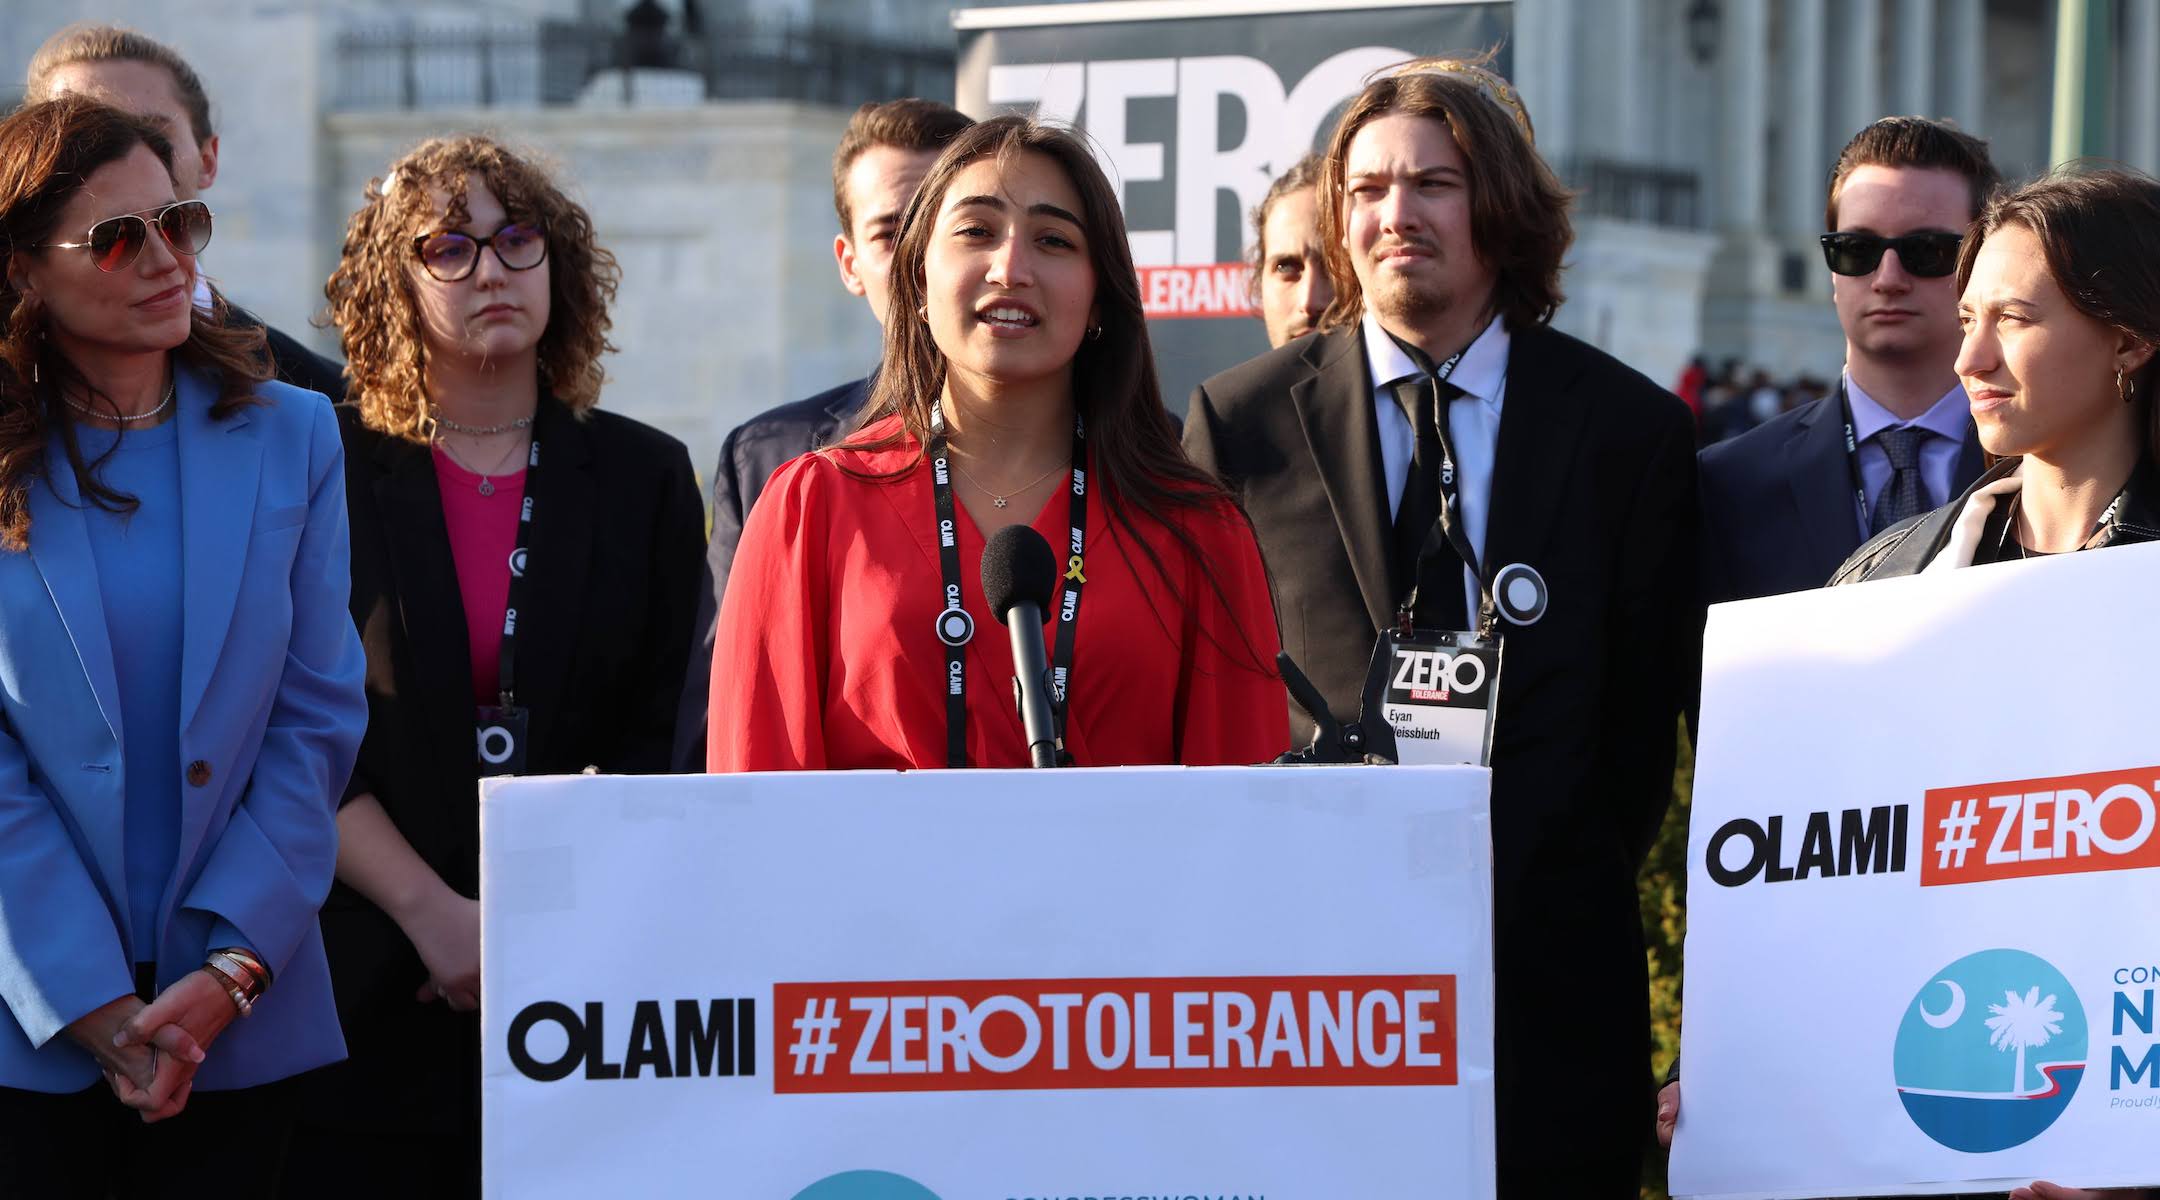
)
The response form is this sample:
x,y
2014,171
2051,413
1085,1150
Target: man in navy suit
x,y
1786,502
884,154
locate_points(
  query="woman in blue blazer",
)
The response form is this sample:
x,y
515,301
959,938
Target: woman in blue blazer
x,y
180,687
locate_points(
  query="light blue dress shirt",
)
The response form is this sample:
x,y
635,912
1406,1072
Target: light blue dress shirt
x,y
1473,426
1947,419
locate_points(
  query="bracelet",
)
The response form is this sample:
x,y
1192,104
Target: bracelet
x,y
232,988
242,974
254,965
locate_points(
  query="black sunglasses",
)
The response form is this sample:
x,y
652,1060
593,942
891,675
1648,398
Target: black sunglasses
x,y
1928,255
116,242
452,256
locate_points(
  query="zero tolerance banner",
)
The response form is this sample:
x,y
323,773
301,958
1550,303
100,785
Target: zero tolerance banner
x,y
980,985
1924,887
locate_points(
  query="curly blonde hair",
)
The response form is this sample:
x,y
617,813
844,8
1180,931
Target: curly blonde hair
x,y
371,292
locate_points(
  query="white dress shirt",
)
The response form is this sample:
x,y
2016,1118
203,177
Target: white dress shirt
x,y
1473,426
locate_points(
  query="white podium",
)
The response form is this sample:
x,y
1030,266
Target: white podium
x,y
959,985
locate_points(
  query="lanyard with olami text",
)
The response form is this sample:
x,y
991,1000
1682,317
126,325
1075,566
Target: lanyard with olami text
x,y
955,628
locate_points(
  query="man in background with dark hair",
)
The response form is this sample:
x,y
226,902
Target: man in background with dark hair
x,y
143,76
1290,280
1571,480
1786,502
883,155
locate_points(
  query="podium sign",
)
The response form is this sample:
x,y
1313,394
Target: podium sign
x,y
1923,905
976,984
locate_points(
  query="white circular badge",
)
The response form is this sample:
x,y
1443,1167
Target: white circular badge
x,y
1520,594
955,627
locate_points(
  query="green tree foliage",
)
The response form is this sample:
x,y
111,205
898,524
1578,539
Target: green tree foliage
x,y
1662,891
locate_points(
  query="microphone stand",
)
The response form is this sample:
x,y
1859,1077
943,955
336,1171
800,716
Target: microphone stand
x,y
1333,741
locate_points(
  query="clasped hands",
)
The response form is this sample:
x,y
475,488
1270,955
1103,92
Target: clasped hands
x,y
150,1052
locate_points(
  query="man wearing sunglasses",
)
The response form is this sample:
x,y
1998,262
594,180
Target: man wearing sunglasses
x,y
1786,502
143,76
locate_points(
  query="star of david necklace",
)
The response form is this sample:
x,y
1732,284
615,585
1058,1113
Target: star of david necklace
x,y
1001,501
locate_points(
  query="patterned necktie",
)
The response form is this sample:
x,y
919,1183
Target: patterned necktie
x,y
1418,515
1904,497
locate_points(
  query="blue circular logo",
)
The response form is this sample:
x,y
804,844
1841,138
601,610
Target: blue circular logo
x,y
866,1185
1990,1051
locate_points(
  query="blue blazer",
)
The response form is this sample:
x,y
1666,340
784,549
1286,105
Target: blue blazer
x,y
271,713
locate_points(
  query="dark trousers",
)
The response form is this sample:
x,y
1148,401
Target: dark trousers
x,y
87,1145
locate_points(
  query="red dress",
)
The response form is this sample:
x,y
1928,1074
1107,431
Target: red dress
x,y
827,655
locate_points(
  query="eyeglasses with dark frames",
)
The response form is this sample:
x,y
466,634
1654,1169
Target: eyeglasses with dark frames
x,y
116,242
450,256
1927,255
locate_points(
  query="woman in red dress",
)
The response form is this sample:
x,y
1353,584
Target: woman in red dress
x,y
1027,356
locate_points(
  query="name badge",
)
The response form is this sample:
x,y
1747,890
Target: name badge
x,y
1436,690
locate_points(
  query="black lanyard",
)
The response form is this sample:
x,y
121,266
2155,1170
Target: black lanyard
x,y
1450,522
507,659
1852,463
1068,620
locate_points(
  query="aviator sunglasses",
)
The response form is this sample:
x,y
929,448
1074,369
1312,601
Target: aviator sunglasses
x,y
116,242
450,256
1928,255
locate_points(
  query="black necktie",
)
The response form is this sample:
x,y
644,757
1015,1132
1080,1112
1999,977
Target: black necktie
x,y
1421,554
1904,497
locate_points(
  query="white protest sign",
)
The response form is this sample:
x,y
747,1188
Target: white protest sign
x,y
989,984
1924,887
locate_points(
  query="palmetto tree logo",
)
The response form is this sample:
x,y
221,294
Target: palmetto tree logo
x,y
1949,1056
2021,1023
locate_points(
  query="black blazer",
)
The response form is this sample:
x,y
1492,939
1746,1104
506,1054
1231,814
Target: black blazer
x,y
602,640
1778,502
753,451
295,363
1909,546
1594,486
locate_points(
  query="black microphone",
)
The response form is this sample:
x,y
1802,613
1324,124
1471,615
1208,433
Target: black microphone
x,y
1018,571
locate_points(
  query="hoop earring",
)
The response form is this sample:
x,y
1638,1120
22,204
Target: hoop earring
x,y
2124,388
1094,333
922,313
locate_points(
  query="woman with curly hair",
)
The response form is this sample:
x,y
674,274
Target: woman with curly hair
x,y
180,689
525,572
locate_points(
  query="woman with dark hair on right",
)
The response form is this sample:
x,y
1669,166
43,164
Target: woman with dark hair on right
x,y
2059,286
1017,388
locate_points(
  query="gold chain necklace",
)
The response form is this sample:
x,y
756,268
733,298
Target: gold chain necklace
x,y
997,499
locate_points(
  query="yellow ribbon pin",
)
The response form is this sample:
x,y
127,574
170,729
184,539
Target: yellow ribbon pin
x,y
1073,571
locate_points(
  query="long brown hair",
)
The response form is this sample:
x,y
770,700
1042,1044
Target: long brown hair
x,y
1138,461
371,292
2100,232
47,151
1518,208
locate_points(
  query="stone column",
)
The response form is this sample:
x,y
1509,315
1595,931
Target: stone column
x,y
1859,55
1805,167
2140,73
1544,65
1965,30
1914,56
1743,114
1631,86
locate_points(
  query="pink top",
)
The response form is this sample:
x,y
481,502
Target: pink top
x,y
483,532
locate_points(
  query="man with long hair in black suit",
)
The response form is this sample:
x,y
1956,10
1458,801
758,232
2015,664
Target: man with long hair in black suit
x,y
1435,383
